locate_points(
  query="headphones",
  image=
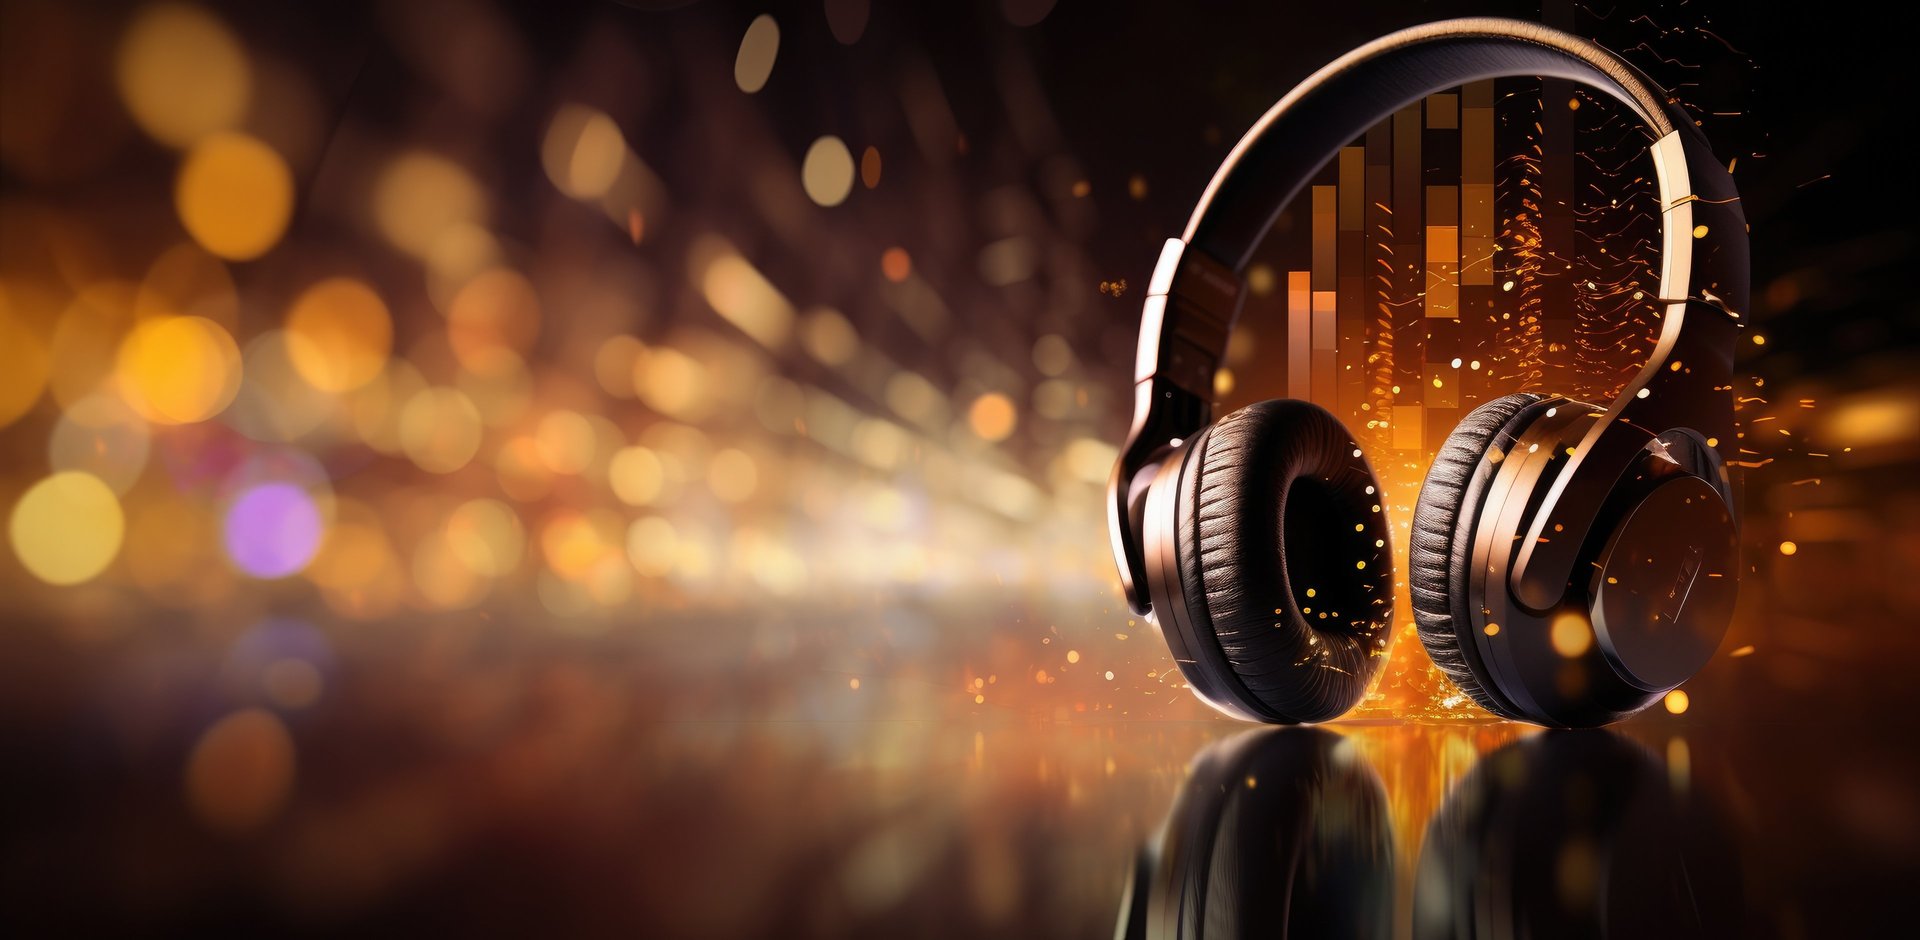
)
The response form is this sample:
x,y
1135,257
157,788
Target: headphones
x,y
1571,563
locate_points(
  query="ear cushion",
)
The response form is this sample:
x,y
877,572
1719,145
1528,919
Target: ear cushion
x,y
1437,549
1283,557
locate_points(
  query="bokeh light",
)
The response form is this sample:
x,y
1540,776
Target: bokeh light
x,y
241,771
67,528
992,416
102,437
338,334
827,173
420,197
486,536
440,429
583,151
758,48
273,530
182,74
497,310
23,362
234,195
179,370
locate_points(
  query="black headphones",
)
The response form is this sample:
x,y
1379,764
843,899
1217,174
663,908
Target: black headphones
x,y
1571,563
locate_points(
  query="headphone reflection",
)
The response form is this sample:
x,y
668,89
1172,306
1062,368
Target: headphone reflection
x,y
1286,833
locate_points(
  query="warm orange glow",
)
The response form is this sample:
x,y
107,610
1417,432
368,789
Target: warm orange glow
x,y
23,363
497,310
422,196
241,771
338,334
234,195
992,417
179,370
182,74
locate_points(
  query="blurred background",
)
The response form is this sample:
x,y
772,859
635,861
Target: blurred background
x,y
593,466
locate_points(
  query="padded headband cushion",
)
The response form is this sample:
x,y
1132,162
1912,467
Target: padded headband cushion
x,y
1437,549
1358,90
1283,557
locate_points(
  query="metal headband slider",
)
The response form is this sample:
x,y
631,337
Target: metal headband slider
x,y
1191,304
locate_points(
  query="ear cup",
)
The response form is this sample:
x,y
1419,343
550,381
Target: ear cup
x,y
1283,557
1437,549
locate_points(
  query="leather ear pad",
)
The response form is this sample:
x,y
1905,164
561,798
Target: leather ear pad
x,y
1437,549
1284,558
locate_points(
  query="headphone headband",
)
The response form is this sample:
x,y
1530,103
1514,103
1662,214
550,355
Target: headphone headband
x,y
1289,144
1195,293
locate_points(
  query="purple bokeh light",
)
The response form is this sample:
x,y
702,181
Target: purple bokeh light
x,y
273,530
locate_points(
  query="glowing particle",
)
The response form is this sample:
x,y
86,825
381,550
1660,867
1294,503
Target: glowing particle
x,y
1507,286
1109,675
1573,104
1310,592
234,195
1700,231
1436,382
870,167
67,528
1713,442
896,264
1739,652
1788,548
1643,393
992,417
1677,702
1759,340
1137,187
1040,676
979,700
1571,635
1456,362
1360,565
1356,451
273,530
1492,629
854,683
758,47
1474,365
827,171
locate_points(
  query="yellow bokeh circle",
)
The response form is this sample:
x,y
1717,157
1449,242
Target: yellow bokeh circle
x,y
67,528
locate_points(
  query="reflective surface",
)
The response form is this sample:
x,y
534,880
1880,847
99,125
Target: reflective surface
x,y
462,780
